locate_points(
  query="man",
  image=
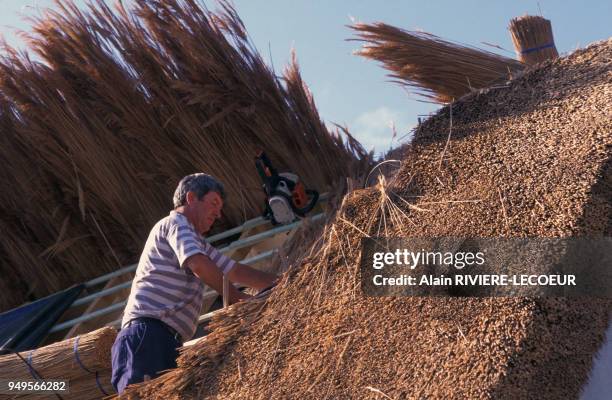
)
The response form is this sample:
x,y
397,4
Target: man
x,y
167,292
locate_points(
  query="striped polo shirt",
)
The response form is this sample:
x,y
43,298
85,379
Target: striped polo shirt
x,y
164,287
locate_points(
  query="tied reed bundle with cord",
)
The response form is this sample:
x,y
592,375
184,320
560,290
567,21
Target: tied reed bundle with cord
x,y
74,359
437,69
533,40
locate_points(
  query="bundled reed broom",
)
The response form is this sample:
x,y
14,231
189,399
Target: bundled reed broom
x,y
73,359
437,69
533,40
122,103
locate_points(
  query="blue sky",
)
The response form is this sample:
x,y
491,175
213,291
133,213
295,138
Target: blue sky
x,y
354,91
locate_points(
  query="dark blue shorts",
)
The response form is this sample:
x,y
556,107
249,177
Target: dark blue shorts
x,y
146,346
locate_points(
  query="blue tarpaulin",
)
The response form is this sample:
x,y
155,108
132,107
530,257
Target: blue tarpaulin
x,y
23,328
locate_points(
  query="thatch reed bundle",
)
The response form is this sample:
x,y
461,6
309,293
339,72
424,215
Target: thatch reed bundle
x,y
73,359
533,40
123,104
435,68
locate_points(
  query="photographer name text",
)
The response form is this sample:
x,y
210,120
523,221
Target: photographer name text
x,y
476,280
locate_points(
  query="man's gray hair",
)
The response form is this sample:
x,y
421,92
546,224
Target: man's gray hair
x,y
198,183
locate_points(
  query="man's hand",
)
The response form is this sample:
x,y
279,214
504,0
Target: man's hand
x,y
210,275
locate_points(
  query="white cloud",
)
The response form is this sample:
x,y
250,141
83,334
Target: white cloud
x,y
374,129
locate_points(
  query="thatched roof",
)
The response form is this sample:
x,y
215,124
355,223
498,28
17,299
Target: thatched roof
x,y
532,159
119,106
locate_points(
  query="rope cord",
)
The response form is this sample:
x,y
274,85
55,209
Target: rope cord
x,y
75,350
546,46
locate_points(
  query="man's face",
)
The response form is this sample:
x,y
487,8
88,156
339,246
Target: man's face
x,y
206,211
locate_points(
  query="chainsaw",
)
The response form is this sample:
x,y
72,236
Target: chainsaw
x,y
286,197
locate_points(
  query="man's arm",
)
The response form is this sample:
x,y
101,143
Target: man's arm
x,y
210,275
251,277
